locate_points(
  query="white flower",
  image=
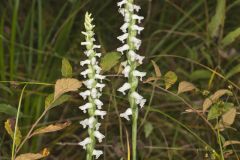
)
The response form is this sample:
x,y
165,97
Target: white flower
x,y
88,53
82,63
94,93
126,71
124,64
101,77
97,68
85,142
93,61
136,7
124,27
121,3
89,83
96,46
121,11
97,126
138,98
139,74
98,103
84,73
100,113
137,17
98,54
137,42
123,48
135,56
86,43
88,122
85,94
84,123
100,86
126,86
137,28
126,114
99,136
85,107
97,153
123,37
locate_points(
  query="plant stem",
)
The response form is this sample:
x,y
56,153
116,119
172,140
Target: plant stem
x,y
134,132
16,124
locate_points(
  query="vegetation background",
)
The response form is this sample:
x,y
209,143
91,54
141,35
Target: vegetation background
x,y
187,37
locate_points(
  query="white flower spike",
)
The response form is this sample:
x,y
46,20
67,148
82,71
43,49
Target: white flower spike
x,y
95,86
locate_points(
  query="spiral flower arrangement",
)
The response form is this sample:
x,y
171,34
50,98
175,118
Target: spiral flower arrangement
x,y
93,93
131,44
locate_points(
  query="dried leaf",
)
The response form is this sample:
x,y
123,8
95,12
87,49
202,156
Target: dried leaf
x,y
185,87
229,117
66,85
150,79
10,126
33,156
213,98
227,143
170,78
157,69
51,128
66,68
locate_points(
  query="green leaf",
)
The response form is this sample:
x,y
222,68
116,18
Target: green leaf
x,y
66,68
49,100
200,74
10,126
58,101
170,79
219,109
148,128
110,60
216,24
8,109
231,37
5,88
233,71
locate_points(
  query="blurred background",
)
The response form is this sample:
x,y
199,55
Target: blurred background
x,y
35,35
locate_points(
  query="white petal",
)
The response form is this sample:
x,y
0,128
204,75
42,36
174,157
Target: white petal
x,y
139,74
85,107
126,86
89,83
86,43
126,114
124,27
98,103
94,93
126,71
99,136
97,126
123,48
96,46
84,73
139,18
85,94
101,77
123,37
100,113
82,63
85,142
137,28
100,86
121,3
97,153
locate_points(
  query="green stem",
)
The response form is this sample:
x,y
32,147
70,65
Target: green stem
x,y
16,124
134,132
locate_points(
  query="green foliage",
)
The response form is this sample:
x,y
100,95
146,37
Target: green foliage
x,y
218,109
231,37
170,79
110,60
66,68
148,128
8,109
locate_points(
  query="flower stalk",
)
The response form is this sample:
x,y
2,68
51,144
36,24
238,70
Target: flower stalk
x,y
130,45
94,87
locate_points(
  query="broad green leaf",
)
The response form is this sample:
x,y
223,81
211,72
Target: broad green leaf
x,y
65,85
110,60
233,71
216,24
8,109
58,101
231,37
49,100
219,109
148,128
200,74
66,68
170,79
10,126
